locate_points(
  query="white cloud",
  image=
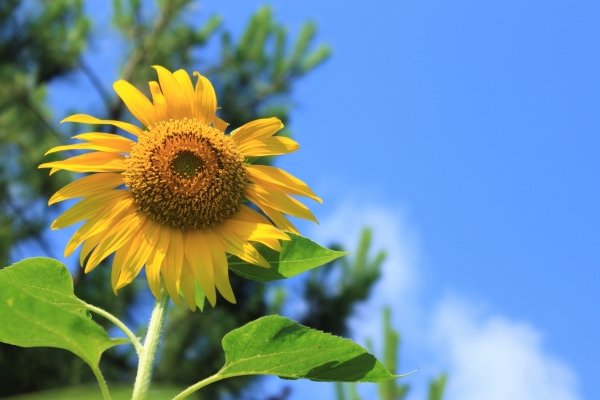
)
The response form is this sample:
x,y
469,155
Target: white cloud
x,y
487,357
390,233
490,357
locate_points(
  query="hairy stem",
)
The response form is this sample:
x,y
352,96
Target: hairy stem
x,y
146,363
101,382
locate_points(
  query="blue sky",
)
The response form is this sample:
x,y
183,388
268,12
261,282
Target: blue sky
x,y
467,134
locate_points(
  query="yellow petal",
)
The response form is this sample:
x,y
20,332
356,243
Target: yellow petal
x,y
117,266
139,252
117,237
270,243
279,180
153,275
206,101
89,245
176,100
268,147
252,230
279,201
160,104
98,136
259,129
87,186
199,257
220,266
105,219
107,147
87,119
109,140
248,214
172,264
188,90
87,208
98,141
153,265
90,162
238,247
263,231
188,285
219,124
136,102
279,219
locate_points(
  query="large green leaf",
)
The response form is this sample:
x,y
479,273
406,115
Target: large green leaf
x,y
38,308
276,345
297,255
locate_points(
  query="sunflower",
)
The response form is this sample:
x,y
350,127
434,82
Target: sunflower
x,y
175,200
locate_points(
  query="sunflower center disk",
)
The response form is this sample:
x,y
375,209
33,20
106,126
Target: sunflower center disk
x,y
187,164
185,174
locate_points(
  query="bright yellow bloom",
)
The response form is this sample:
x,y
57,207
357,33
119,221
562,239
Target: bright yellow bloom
x,y
173,199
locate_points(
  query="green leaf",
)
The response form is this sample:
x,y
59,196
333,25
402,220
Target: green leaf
x,y
297,255
437,387
200,297
276,345
38,308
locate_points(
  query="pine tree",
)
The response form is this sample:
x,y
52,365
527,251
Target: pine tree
x,y
391,390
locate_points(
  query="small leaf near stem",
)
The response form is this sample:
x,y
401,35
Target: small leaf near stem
x,y
297,255
118,323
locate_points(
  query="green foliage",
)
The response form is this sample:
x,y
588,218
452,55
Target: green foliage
x,y
255,75
297,255
391,340
437,386
38,44
391,390
38,308
53,34
276,345
91,392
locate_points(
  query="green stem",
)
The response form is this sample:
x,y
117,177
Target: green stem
x,y
146,363
102,383
199,385
130,335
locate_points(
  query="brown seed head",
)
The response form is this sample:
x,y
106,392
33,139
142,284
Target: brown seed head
x,y
186,174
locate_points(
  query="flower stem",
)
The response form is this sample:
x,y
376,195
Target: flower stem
x,y
130,335
199,385
101,382
146,363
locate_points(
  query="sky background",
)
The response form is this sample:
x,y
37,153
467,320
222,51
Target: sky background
x,y
466,133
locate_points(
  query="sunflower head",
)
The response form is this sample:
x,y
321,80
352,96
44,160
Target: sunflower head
x,y
175,200
186,174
